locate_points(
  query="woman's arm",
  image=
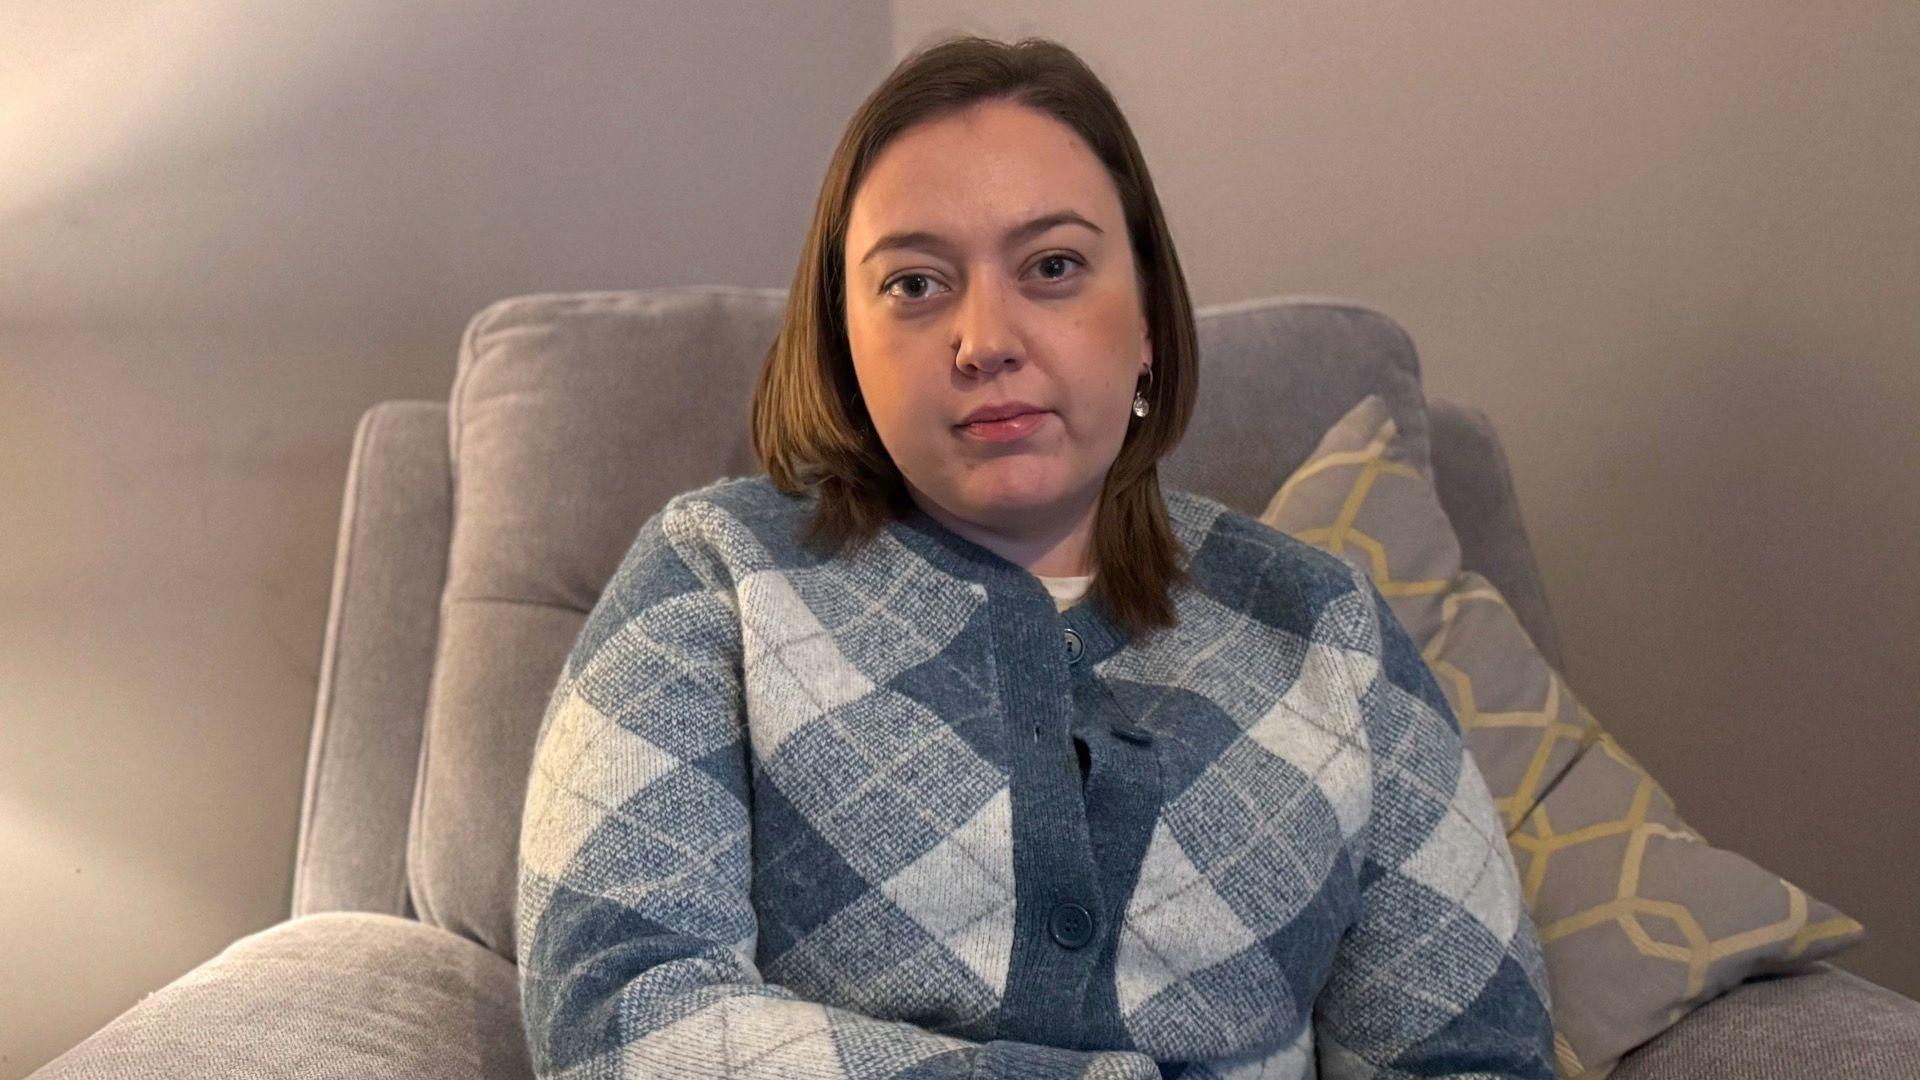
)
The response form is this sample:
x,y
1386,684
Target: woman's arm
x,y
635,929
1442,974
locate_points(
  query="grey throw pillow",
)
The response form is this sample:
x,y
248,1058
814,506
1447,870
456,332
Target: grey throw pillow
x,y
1640,918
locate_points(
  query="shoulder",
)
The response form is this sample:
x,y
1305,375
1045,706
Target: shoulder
x,y
1239,560
735,519
678,578
753,501
706,538
1290,584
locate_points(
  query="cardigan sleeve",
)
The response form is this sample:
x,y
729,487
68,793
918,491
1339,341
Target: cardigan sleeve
x,y
1441,973
635,929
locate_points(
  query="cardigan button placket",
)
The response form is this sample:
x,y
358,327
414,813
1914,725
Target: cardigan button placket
x,y
1058,879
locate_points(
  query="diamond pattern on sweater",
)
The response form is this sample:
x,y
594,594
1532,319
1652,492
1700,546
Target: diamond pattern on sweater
x,y
771,828
1175,925
1466,857
964,893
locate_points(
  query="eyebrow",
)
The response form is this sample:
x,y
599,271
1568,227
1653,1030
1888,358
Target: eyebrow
x,y
934,242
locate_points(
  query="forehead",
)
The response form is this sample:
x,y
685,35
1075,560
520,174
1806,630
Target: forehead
x,y
972,174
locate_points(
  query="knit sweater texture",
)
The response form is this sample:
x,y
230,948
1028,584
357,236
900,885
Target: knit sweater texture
x,y
891,813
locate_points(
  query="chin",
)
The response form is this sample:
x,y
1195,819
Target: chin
x,y
1015,491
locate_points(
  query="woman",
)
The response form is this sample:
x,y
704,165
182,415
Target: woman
x,y
952,746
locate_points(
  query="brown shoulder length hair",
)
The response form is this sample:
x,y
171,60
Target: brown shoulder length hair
x,y
811,431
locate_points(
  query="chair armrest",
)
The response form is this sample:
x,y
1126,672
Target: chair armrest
x,y
332,994
376,664
1823,1022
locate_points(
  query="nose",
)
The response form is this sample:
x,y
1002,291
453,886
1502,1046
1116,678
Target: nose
x,y
986,338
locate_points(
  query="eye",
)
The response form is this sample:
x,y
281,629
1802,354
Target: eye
x,y
926,281
1058,258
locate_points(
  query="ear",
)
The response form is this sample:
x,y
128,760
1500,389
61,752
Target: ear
x,y
1146,352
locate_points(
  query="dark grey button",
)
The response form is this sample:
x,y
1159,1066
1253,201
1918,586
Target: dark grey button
x,y
1139,736
1071,925
1074,647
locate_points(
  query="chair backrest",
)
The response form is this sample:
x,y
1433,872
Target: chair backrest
x,y
574,417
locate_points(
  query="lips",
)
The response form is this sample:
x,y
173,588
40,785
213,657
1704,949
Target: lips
x,y
1002,411
1010,429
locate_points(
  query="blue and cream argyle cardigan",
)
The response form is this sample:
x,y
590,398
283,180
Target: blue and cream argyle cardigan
x,y
890,813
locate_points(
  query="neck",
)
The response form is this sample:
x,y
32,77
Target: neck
x,y
1053,545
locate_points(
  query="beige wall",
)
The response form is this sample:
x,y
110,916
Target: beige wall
x,y
227,227
1674,252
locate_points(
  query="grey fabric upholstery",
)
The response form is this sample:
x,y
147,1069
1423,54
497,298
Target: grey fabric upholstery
x,y
339,994
367,996
573,418
376,663
1824,1023
1275,374
1476,490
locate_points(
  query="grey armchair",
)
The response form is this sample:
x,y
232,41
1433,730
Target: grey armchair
x,y
476,535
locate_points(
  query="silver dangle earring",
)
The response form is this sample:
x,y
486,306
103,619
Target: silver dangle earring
x,y
1140,397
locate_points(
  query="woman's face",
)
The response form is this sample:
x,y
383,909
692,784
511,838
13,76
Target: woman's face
x,y
988,262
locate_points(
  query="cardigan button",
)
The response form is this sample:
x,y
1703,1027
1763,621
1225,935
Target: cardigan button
x,y
1071,925
1074,648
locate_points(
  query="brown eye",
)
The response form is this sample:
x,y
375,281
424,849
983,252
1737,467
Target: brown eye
x,y
902,280
1062,259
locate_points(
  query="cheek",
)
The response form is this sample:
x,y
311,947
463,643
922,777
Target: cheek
x,y
1109,338
875,365
1124,316
897,406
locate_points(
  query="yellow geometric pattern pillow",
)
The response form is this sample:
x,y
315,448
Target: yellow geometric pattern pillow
x,y
1640,919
